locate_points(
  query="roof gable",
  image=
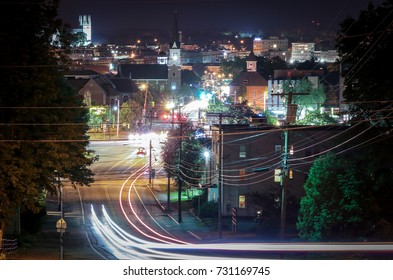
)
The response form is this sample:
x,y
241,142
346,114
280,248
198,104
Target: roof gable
x,y
249,79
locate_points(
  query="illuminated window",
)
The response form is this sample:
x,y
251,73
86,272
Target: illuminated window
x,y
242,201
290,174
242,152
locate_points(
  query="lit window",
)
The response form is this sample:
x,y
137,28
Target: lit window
x,y
242,152
290,174
242,201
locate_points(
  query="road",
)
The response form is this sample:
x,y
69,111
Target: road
x,y
121,210
125,221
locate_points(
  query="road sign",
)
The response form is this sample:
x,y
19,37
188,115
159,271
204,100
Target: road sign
x,y
61,225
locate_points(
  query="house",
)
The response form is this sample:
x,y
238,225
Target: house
x,y
250,85
253,157
98,89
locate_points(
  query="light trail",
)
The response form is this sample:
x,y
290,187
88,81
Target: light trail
x,y
126,246
159,237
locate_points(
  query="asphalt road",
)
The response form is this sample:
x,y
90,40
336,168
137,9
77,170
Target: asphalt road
x,y
122,217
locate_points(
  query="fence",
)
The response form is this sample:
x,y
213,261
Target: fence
x,y
9,246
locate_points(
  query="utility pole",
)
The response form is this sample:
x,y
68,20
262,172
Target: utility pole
x,y
118,117
290,118
144,106
220,185
282,184
150,149
169,172
179,174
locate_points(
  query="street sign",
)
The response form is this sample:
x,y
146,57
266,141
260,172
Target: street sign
x,y
61,225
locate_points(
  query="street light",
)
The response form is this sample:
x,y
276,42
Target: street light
x,y
171,106
117,109
144,86
61,224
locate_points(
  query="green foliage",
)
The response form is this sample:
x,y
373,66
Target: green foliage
x,y
233,67
130,112
316,118
307,96
266,66
232,114
341,201
192,159
209,210
79,39
97,116
364,45
45,136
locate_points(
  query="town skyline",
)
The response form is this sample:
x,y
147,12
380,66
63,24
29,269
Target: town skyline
x,y
125,17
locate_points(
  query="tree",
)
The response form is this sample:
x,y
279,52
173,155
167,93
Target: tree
x,y
232,114
335,205
266,66
364,46
130,112
44,136
316,118
306,96
79,39
233,67
97,116
192,159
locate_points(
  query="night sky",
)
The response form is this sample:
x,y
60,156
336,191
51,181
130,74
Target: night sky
x,y
253,16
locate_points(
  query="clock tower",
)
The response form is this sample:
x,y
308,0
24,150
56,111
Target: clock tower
x,y
174,62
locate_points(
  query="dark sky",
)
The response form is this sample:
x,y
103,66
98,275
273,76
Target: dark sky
x,y
241,15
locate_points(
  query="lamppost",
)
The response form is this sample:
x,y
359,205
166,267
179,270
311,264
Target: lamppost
x,y
117,109
144,86
61,224
207,180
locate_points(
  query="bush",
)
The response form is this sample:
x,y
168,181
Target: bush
x,y
209,210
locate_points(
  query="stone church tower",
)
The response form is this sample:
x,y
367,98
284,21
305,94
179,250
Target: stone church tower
x,y
85,25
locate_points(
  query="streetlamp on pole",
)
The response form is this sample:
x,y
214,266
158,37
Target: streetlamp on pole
x,y
117,109
61,224
144,86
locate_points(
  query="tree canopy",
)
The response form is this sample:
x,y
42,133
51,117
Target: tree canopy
x,y
43,121
334,203
364,46
347,197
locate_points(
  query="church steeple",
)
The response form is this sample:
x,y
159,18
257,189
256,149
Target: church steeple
x,y
174,61
175,39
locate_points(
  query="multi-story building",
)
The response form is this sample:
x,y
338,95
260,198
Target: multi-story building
x,y
272,44
302,52
253,158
